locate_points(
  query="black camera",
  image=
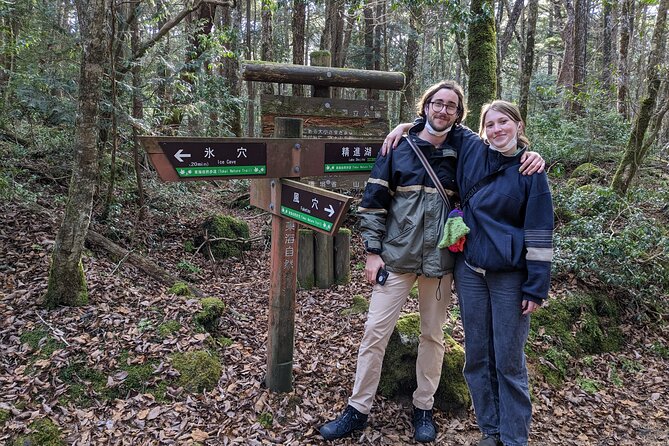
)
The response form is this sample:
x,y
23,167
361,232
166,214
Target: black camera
x,y
381,276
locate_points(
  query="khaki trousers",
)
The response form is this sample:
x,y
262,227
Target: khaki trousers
x,y
434,295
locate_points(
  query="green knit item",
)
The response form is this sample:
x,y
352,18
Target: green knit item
x,y
454,229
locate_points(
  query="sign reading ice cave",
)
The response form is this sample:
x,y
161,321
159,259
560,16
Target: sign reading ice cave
x,y
216,159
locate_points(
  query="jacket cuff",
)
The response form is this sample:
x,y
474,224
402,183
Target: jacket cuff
x,y
373,247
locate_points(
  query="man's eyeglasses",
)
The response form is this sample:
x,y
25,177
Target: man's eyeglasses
x,y
438,106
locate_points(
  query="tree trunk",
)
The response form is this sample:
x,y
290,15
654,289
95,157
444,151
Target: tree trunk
x,y
636,150
528,59
138,114
505,39
482,55
626,29
607,46
266,46
566,73
407,109
298,25
574,104
231,20
368,13
67,282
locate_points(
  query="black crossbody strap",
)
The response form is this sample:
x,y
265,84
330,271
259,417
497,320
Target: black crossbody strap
x,y
433,176
484,182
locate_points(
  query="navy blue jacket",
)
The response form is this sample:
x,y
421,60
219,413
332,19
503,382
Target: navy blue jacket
x,y
511,219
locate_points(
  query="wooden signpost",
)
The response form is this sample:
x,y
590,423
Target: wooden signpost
x,y
275,165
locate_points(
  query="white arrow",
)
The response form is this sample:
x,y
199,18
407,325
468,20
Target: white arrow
x,y
180,155
330,211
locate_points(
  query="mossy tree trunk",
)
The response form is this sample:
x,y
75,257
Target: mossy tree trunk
x,y
482,54
637,150
67,283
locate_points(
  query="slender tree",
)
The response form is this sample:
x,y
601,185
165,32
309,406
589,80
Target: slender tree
x,y
626,30
67,282
637,148
528,57
298,27
482,55
574,104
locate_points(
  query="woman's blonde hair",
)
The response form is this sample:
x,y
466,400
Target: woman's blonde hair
x,y
509,109
431,91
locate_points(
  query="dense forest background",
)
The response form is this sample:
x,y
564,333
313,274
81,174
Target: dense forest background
x,y
93,331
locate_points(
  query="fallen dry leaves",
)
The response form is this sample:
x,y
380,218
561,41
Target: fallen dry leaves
x,y
120,326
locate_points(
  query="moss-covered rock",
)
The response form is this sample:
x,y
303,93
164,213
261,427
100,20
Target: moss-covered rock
x,y
586,173
227,237
398,375
359,305
199,370
573,326
44,432
180,289
212,310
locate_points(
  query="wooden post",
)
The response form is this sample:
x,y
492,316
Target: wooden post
x,y
320,59
283,268
342,256
324,259
305,261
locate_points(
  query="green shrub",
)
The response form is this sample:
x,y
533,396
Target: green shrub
x,y
610,243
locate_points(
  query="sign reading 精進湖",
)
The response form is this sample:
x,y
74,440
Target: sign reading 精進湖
x,y
216,159
350,157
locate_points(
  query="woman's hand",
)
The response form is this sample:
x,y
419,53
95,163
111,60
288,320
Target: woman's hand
x,y
529,307
531,162
372,265
393,138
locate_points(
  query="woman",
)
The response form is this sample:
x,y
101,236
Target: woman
x,y
503,274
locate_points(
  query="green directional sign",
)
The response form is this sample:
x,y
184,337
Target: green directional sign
x,y
195,158
350,156
319,209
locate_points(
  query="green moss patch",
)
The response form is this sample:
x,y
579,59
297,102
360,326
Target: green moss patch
x,y
225,237
44,432
180,289
212,310
168,328
360,305
199,370
586,173
5,415
570,327
41,342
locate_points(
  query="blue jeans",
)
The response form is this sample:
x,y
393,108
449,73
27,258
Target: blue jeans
x,y
495,336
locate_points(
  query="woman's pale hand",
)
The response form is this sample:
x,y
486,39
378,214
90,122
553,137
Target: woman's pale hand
x,y
393,138
529,307
531,163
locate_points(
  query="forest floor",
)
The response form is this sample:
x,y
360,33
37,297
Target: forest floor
x,y
625,403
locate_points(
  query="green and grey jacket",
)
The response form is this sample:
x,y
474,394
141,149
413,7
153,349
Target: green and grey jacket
x,y
402,215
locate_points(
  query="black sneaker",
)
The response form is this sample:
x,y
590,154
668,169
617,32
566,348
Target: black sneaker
x,y
424,429
351,420
490,440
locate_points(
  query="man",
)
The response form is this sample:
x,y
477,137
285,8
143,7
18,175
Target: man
x,y
402,219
